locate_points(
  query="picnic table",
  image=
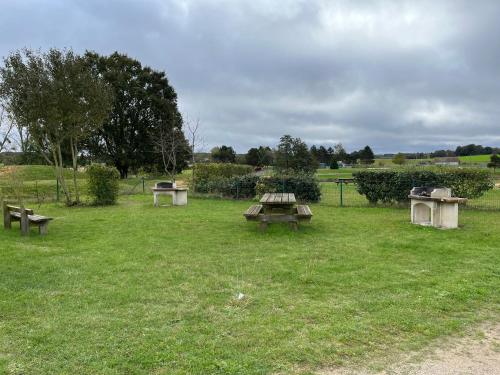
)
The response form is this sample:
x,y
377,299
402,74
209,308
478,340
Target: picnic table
x,y
278,208
282,201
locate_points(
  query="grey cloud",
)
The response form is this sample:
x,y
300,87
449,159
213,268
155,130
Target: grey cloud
x,y
398,75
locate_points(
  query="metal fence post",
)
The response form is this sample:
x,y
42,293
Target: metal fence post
x,y
57,189
143,186
341,193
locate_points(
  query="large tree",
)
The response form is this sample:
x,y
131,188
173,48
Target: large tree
x,y
144,103
292,155
58,99
366,156
259,157
223,154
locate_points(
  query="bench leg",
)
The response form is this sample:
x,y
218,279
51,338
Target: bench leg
x,y
6,216
43,229
7,223
25,224
155,199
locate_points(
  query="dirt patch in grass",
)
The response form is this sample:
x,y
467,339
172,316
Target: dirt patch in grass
x,y
477,353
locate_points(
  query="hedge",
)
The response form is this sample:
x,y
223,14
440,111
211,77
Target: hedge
x,y
212,171
305,187
103,184
394,185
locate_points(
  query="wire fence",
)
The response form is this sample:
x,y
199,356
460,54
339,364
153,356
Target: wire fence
x,y
342,194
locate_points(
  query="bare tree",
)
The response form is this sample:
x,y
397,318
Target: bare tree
x,y
169,140
195,142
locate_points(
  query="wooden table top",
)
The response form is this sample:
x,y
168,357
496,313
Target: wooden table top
x,y
278,198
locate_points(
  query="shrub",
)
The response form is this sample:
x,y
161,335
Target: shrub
x,y
232,187
211,171
334,164
305,187
103,184
394,186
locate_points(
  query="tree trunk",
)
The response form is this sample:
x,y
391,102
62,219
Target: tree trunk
x,y
74,156
59,167
123,169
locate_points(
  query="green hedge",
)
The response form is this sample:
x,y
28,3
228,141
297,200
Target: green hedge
x,y
212,171
394,185
305,187
103,184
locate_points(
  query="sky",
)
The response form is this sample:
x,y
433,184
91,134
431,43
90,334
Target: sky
x,y
395,75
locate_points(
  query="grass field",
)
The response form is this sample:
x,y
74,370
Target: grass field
x,y
134,289
475,158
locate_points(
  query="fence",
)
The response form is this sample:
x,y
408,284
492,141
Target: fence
x,y
41,191
338,194
344,194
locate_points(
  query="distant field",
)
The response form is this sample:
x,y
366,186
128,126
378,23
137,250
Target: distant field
x,y
465,159
475,158
33,172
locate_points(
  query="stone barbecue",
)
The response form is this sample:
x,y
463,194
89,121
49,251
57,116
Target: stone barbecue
x,y
434,206
179,195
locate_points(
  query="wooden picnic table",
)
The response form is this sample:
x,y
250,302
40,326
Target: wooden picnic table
x,y
278,208
281,201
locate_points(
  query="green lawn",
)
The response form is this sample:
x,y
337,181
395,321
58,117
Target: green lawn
x,y
134,289
475,158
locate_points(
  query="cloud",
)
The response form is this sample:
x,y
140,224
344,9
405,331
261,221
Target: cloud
x,y
397,75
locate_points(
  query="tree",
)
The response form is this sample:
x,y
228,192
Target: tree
x,y
223,154
494,162
259,157
171,143
143,101
59,99
195,141
6,128
339,152
292,155
366,155
399,158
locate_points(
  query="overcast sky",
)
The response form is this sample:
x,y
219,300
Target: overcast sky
x,y
399,76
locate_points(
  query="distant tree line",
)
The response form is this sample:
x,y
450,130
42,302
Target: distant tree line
x,y
467,150
294,154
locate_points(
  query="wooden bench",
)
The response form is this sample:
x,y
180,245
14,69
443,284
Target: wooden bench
x,y
26,217
253,212
304,212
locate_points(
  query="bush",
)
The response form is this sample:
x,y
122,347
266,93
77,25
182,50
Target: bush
x,y
334,164
305,187
211,171
232,187
394,186
103,184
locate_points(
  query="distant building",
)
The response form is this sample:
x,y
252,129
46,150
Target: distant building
x,y
450,160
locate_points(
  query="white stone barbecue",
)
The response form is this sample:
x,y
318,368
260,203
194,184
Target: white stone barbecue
x,y
179,195
434,207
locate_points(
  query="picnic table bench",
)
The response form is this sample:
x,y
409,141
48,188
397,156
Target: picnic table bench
x,y
26,217
278,208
